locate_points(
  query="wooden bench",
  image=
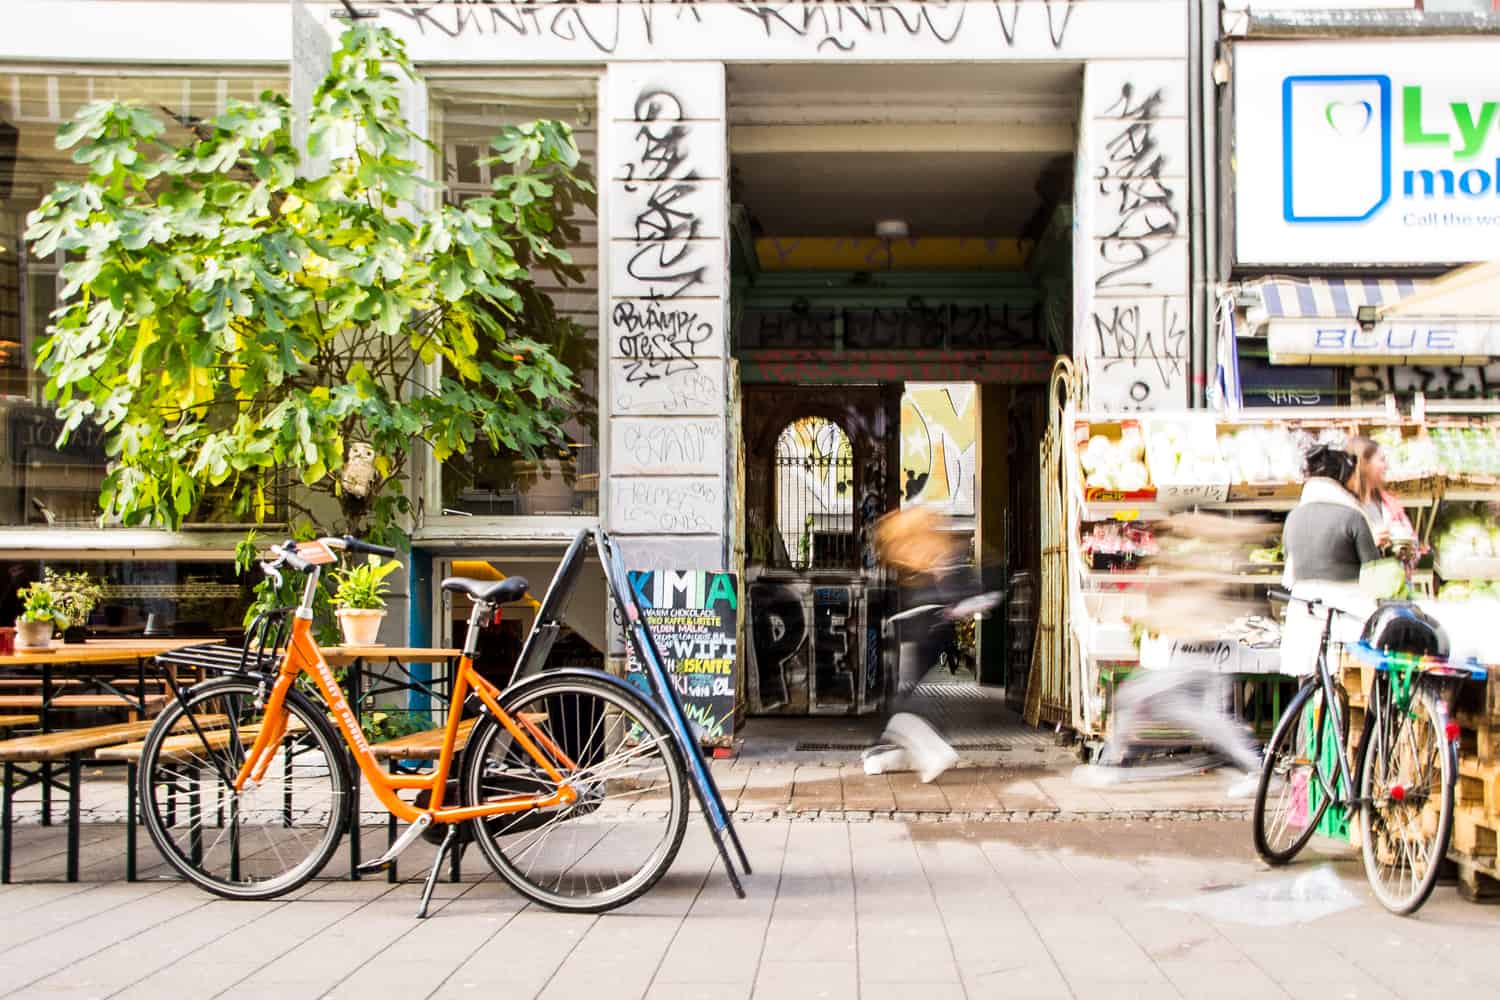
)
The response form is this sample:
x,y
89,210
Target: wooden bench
x,y
70,746
32,683
81,701
19,721
426,745
178,747
173,748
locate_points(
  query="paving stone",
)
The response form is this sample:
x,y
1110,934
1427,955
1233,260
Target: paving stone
x,y
778,980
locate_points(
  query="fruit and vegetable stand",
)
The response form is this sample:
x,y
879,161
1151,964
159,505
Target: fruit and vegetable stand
x,y
1123,473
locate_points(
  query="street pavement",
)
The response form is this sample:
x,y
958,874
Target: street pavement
x,y
866,909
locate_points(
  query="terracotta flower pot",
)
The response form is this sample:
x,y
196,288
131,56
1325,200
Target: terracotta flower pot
x,y
33,635
360,626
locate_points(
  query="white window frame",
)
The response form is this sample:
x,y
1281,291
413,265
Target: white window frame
x,y
458,532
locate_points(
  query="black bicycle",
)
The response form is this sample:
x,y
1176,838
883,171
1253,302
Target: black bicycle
x,y
1401,787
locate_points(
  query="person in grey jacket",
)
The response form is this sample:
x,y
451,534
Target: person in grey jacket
x,y
1328,536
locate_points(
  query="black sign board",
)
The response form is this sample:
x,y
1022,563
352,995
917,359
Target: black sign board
x,y
1265,384
694,616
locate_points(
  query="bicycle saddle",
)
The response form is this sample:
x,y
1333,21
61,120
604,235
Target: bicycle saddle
x,y
488,591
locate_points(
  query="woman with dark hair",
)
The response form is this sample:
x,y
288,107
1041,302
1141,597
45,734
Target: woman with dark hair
x,y
1328,537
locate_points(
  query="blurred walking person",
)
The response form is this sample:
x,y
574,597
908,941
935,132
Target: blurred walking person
x,y
938,588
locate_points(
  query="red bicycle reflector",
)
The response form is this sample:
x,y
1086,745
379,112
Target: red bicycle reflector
x,y
1452,731
499,614
1398,793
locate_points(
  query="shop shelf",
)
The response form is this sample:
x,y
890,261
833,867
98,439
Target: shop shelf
x,y
1472,568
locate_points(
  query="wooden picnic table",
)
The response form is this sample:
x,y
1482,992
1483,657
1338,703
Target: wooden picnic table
x,y
78,660
98,651
75,661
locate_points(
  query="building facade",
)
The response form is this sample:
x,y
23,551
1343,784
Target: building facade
x,y
836,251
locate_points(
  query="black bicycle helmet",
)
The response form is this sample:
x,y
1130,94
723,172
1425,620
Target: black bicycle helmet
x,y
1402,627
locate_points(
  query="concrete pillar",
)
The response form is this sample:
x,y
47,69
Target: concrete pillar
x,y
665,212
1131,311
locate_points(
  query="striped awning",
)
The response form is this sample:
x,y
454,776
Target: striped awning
x,y
1310,298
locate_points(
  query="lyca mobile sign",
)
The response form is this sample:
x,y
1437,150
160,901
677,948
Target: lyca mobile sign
x,y
1360,153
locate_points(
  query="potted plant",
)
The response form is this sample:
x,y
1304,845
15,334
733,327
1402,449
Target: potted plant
x,y
38,616
76,596
360,600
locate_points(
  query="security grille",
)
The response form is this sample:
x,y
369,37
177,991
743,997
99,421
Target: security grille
x,y
815,495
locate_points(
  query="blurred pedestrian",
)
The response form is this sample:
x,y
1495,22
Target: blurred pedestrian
x,y
934,574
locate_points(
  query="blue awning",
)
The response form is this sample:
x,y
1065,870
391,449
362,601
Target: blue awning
x,y
1310,298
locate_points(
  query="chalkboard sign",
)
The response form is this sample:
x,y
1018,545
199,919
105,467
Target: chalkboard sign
x,y
694,616
1265,384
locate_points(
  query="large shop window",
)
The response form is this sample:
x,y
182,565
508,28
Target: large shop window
x,y
41,484
490,482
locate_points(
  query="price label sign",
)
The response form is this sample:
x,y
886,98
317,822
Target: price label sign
x,y
1193,492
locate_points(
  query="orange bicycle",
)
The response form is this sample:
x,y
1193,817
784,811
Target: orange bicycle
x,y
569,781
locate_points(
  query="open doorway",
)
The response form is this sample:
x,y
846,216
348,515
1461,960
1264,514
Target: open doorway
x,y
901,285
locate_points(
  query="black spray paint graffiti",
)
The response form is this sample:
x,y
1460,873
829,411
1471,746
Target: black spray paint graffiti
x,y
1146,216
665,226
657,342
1125,335
836,25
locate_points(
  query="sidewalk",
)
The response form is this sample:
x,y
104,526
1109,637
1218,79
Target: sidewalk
x,y
863,911
1018,774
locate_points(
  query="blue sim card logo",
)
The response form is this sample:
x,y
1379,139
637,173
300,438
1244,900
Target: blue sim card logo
x,y
1336,147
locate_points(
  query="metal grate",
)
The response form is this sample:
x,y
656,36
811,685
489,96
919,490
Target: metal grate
x,y
813,746
815,495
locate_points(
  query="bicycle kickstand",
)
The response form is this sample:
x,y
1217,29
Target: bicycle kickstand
x,y
437,866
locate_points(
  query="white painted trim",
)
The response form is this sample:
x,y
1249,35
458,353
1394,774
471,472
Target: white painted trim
x,y
127,543
478,532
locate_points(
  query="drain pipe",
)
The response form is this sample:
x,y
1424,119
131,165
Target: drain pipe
x,y
1198,195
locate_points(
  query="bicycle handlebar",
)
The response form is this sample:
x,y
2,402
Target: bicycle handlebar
x,y
352,544
286,554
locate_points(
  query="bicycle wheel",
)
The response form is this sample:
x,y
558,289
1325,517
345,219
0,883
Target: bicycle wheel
x,y
252,844
1293,794
1406,796
621,834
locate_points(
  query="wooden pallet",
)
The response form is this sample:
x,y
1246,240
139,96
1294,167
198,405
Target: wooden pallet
x,y
1474,849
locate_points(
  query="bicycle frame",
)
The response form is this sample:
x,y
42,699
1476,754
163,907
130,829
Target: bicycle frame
x,y
1325,679
303,656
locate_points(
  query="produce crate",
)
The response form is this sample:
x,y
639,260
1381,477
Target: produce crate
x,y
1199,434
1468,568
1083,430
1265,491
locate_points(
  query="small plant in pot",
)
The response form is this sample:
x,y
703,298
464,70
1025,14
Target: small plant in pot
x,y
360,600
76,596
39,615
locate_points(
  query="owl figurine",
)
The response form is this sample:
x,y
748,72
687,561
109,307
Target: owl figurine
x,y
359,473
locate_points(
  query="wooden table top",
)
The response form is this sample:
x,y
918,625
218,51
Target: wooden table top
x,y
339,656
99,651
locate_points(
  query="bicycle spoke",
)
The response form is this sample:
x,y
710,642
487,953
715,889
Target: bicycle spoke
x,y
613,839
273,833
